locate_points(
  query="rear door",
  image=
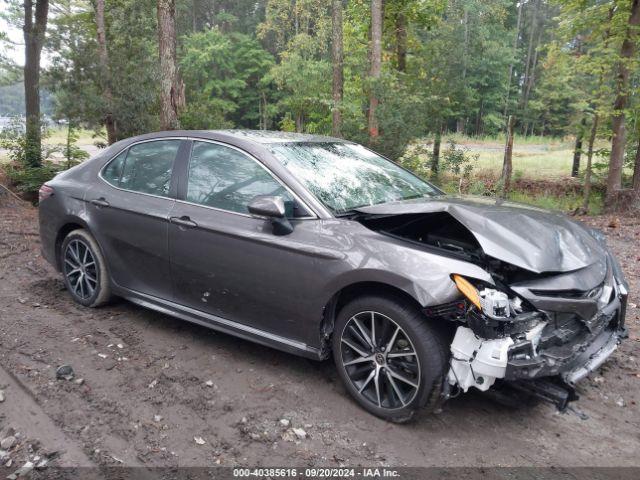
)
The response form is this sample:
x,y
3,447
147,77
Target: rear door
x,y
128,213
229,264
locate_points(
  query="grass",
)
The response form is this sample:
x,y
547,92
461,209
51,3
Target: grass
x,y
500,140
564,203
533,157
58,135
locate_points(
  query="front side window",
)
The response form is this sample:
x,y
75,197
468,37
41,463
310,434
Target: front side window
x,y
346,176
145,167
225,178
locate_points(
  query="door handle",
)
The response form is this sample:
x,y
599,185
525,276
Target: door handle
x,y
183,221
100,202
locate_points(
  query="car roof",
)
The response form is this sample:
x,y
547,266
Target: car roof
x,y
263,137
270,136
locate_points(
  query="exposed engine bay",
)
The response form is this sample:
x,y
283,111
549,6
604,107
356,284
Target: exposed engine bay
x,y
529,326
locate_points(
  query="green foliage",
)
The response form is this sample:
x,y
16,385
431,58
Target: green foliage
x,y
25,177
458,160
418,158
72,153
222,74
268,64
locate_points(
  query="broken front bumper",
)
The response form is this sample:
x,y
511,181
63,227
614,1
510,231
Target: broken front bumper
x,y
554,345
571,355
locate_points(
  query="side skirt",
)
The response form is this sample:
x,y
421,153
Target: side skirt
x,y
220,324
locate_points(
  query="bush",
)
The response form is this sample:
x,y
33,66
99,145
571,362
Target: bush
x,y
27,178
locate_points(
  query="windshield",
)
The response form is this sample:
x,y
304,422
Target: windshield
x,y
347,176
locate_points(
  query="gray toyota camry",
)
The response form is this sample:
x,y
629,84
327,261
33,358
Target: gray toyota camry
x,y
320,247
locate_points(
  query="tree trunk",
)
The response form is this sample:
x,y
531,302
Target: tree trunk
x,y
586,193
264,116
511,64
299,122
103,58
34,31
527,65
507,166
171,87
376,67
460,123
435,163
337,58
539,23
401,41
636,172
618,142
577,150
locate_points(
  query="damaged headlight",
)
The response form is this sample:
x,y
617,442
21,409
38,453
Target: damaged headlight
x,y
493,303
493,314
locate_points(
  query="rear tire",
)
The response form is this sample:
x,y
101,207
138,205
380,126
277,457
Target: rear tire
x,y
397,369
84,270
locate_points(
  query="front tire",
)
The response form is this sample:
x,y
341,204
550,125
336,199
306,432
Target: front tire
x,y
84,269
390,359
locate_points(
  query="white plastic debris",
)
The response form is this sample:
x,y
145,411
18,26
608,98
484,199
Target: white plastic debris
x,y
199,440
300,433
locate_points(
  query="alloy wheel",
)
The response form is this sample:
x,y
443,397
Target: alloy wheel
x,y
380,360
80,269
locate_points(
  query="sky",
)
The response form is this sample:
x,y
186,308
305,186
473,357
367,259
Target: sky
x,y
14,52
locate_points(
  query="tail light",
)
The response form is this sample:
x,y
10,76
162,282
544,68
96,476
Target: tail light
x,y
45,192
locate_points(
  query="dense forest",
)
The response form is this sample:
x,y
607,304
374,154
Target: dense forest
x,y
386,73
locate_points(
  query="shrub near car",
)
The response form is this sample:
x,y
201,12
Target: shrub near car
x,y
320,247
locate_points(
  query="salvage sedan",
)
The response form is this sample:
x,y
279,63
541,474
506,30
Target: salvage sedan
x,y
318,246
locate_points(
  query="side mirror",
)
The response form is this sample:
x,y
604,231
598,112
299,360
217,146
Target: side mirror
x,y
272,208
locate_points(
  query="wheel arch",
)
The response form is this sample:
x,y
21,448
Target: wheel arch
x,y
347,293
70,224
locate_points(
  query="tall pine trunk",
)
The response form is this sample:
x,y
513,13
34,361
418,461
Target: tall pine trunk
x,y
34,31
376,67
171,88
461,121
435,162
636,173
619,140
103,58
401,41
338,60
577,150
507,165
511,64
586,193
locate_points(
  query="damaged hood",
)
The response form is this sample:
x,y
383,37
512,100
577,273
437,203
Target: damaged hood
x,y
531,238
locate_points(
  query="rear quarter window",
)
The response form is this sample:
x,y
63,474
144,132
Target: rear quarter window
x,y
113,171
144,168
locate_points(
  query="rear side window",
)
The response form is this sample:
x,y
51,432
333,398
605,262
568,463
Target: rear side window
x,y
227,179
113,171
144,168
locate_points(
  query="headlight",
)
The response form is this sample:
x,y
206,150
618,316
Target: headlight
x,y
468,290
493,303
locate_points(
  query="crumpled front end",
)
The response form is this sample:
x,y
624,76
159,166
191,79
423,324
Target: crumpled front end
x,y
554,308
536,330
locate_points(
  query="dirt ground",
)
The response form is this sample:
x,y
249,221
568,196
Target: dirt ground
x,y
156,391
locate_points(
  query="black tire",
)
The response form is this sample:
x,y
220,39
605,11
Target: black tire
x,y
86,277
429,344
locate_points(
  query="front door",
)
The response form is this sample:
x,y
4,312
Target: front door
x,y
230,264
129,212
